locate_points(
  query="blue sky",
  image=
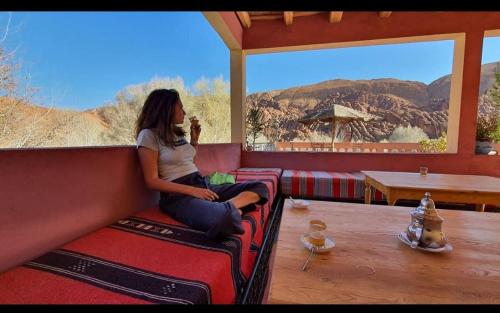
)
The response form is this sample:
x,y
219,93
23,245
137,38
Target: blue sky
x,y
491,50
80,60
422,62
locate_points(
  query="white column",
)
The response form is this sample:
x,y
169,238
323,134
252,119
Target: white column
x,y
238,95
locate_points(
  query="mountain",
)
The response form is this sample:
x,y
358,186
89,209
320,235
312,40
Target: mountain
x,y
397,102
440,87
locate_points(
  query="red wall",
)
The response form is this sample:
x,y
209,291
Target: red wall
x,y
51,196
352,162
357,26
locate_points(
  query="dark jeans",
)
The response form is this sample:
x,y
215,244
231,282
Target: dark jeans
x,y
216,218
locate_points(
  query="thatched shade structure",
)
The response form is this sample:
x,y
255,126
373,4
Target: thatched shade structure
x,y
338,115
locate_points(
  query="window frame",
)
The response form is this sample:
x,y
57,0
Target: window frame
x,y
455,86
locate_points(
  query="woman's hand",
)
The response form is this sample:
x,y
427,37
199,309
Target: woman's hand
x,y
203,193
195,131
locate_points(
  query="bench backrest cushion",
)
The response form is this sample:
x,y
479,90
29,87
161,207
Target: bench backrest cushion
x,y
220,157
325,185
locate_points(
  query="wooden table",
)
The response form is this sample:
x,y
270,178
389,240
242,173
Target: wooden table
x,y
370,265
479,190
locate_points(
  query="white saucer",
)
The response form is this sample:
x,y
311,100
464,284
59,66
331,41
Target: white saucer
x,y
304,204
404,238
329,244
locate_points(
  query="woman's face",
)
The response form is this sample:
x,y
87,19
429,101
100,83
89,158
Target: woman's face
x,y
179,113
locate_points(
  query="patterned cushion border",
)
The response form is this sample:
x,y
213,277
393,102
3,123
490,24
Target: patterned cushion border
x,y
120,278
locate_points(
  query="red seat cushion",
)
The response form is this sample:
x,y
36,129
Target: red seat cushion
x,y
145,258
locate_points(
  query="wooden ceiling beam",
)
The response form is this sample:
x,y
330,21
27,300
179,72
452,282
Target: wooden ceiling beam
x,y
308,13
261,13
244,18
275,16
288,15
267,17
335,16
384,14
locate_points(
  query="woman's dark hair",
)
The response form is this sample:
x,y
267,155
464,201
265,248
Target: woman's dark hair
x,y
158,114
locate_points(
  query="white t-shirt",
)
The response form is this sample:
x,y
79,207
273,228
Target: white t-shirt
x,y
172,163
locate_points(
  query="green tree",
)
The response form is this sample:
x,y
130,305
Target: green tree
x,y
8,68
210,103
495,89
255,123
16,130
121,115
495,95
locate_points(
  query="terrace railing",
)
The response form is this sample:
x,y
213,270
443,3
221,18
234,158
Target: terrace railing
x,y
367,147
266,146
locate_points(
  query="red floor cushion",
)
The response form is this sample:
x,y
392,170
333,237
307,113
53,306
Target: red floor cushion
x,y
321,184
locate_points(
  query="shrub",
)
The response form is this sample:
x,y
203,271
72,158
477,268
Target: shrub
x,y
434,145
408,134
496,134
487,126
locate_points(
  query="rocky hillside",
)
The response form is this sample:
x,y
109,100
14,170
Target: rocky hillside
x,y
28,125
398,103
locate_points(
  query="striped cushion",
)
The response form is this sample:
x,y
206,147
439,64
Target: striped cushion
x,y
320,184
259,218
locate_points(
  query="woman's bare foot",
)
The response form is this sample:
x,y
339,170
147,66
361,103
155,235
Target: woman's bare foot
x,y
245,198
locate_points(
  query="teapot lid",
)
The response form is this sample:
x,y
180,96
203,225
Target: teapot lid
x,y
430,212
427,203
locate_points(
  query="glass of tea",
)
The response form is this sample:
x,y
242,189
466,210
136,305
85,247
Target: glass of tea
x,y
423,170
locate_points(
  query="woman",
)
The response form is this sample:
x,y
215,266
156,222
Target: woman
x,y
167,161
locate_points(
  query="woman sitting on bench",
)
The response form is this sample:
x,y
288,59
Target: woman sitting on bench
x,y
167,161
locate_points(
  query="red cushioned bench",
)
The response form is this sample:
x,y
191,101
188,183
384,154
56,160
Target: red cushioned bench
x,y
325,185
146,257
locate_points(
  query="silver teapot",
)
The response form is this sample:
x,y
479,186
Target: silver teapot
x,y
425,227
